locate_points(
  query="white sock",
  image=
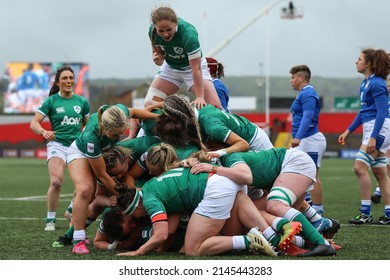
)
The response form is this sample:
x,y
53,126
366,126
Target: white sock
x,y
299,241
275,222
365,202
318,207
311,214
291,214
239,242
51,215
79,235
71,204
269,233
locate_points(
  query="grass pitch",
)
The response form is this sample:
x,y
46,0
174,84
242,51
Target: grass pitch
x,y
24,184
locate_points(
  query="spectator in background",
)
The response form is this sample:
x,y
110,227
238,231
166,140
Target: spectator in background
x,y
216,72
374,116
305,111
67,113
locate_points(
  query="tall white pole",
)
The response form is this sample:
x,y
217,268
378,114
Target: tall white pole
x,y
267,73
204,43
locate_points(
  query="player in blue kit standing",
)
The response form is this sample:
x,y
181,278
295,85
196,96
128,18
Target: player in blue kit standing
x,y
305,112
374,116
376,195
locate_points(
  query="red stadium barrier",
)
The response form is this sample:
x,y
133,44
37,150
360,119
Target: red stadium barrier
x,y
19,132
333,123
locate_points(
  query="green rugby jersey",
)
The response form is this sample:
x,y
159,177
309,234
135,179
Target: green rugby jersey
x,y
66,116
90,142
148,125
183,46
175,191
139,145
265,165
217,124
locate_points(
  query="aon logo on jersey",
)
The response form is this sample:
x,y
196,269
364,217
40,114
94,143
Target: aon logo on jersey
x,y
71,121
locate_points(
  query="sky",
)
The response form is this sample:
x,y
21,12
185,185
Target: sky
x,y
111,35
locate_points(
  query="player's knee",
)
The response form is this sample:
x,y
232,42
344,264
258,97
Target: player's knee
x,y
281,195
56,183
365,158
379,162
84,192
154,95
191,251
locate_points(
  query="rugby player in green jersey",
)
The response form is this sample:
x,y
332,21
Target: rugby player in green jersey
x,y
211,198
85,161
286,174
181,121
176,49
151,161
233,133
123,232
68,113
155,160
119,231
118,159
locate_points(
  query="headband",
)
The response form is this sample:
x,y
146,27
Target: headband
x,y
133,205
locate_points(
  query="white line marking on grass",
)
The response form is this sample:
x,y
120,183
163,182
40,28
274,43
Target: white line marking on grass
x,y
32,198
33,219
26,219
364,225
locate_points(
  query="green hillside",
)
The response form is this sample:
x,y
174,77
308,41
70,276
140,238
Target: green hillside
x,y
112,90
